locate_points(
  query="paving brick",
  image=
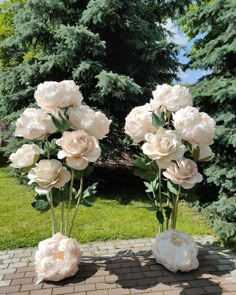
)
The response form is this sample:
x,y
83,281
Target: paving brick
x,y
101,286
30,274
25,269
229,287
9,289
29,287
62,290
200,283
4,265
111,278
194,291
6,271
5,283
41,292
16,275
21,281
21,293
87,287
213,289
18,264
98,292
173,292
119,291
161,287
152,274
99,279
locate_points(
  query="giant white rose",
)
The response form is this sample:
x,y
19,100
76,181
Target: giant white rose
x,y
25,156
184,173
58,95
95,123
34,124
164,146
139,122
48,174
57,258
196,127
171,98
79,148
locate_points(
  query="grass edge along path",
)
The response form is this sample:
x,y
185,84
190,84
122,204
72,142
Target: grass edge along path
x,y
107,219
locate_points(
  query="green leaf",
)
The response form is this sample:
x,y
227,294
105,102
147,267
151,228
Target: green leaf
x,y
168,211
196,153
148,175
171,188
160,217
156,121
41,203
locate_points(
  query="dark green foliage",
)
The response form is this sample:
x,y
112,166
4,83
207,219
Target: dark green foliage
x,y
117,51
215,52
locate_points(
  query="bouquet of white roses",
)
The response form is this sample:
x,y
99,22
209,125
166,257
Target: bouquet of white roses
x,y
174,136
66,135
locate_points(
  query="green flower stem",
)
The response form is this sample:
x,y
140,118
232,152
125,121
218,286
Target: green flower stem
x,y
176,207
69,202
79,196
160,197
53,219
62,229
47,146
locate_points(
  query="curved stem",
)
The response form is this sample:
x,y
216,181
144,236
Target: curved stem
x,y
176,206
79,196
160,197
62,218
53,219
69,202
47,146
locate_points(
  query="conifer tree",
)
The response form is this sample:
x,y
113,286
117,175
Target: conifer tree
x,y
117,51
215,52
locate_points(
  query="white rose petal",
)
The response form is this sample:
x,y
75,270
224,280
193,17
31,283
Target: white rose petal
x,y
196,127
34,124
184,173
52,96
25,156
79,148
171,98
57,258
48,174
139,122
95,123
164,146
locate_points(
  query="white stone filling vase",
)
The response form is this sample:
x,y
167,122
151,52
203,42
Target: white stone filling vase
x,y
175,250
57,258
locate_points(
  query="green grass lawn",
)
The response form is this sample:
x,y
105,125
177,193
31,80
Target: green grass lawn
x,y
22,226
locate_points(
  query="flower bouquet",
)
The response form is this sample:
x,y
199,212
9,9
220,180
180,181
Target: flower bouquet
x,y
67,135
174,136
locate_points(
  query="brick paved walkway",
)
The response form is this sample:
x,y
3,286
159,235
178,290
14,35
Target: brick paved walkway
x,y
123,267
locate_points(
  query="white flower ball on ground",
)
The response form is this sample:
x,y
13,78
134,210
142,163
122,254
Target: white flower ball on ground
x,y
57,258
175,250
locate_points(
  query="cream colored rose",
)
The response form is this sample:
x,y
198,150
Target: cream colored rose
x,y
25,156
184,173
57,258
164,146
34,124
171,98
48,174
194,126
58,95
94,123
139,122
205,153
78,148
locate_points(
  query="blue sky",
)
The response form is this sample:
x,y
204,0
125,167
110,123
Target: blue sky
x,y
178,37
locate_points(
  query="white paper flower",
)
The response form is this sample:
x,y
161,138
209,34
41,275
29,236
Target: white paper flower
x,y
25,156
34,124
95,123
58,95
175,250
57,258
196,127
171,98
184,173
78,148
205,152
139,122
48,174
164,146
